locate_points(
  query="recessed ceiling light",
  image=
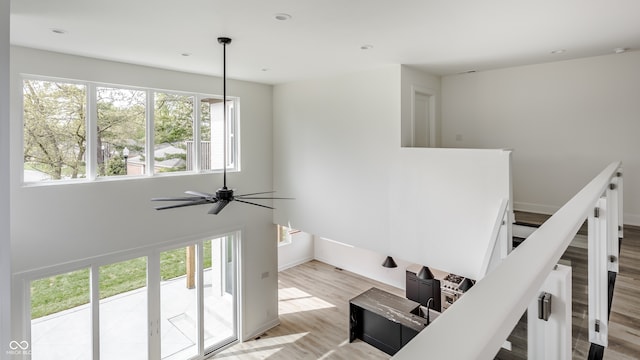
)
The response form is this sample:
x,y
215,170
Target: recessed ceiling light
x,y
185,54
58,31
264,69
366,47
559,51
619,50
282,17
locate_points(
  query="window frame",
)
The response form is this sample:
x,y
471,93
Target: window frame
x,y
91,121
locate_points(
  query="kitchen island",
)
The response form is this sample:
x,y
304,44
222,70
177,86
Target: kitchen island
x,y
385,320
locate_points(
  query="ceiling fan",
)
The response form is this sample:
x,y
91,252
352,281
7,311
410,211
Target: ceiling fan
x,y
224,195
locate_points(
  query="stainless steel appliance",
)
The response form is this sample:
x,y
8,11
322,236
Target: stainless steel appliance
x,y
452,287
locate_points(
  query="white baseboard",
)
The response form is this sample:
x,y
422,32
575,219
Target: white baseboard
x,y
294,263
534,208
261,330
632,219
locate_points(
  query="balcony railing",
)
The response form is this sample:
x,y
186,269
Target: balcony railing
x,y
476,326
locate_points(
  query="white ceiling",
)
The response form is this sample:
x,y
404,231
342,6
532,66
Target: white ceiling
x,y
324,37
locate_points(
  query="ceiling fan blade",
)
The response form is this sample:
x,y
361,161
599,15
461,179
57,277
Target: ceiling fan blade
x,y
201,194
188,198
218,206
201,202
264,198
252,203
258,193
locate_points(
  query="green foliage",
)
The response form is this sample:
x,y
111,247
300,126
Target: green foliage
x,y
121,123
55,137
173,118
115,166
54,127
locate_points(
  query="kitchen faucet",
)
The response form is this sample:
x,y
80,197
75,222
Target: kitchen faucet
x,y
428,302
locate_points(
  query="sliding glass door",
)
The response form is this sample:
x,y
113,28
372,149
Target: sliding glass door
x,y
174,304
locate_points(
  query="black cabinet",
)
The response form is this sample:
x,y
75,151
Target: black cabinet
x,y
421,290
407,335
383,320
381,332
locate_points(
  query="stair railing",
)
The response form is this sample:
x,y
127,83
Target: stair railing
x,y
477,324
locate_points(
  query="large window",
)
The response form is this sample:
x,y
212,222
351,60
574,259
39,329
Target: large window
x,y
75,130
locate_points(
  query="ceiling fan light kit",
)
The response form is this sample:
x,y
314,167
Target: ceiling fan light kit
x,y
224,195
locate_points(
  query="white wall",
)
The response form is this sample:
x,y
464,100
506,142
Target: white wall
x,y
565,121
337,151
5,239
333,141
56,224
360,261
298,251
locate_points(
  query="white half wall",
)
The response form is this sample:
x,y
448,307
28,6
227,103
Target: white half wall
x,y
443,206
564,120
337,151
55,224
5,224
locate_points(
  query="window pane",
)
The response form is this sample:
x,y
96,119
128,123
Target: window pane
x,y
215,134
178,312
123,310
173,132
121,131
55,136
205,133
61,317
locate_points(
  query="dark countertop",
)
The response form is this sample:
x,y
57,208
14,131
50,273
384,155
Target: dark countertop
x,y
391,307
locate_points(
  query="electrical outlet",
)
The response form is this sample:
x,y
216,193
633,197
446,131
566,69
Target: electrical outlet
x,y
458,137
265,274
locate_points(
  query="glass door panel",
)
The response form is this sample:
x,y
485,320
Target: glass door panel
x,y
178,306
219,295
61,317
123,310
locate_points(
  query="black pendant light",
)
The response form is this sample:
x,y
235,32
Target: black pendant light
x,y
389,263
425,273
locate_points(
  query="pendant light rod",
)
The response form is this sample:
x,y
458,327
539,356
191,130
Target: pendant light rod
x,y
224,41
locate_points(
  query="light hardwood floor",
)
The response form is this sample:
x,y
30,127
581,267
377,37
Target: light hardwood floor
x,y
314,301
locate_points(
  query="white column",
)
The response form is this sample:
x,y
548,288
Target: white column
x,y
598,274
5,240
153,305
551,339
